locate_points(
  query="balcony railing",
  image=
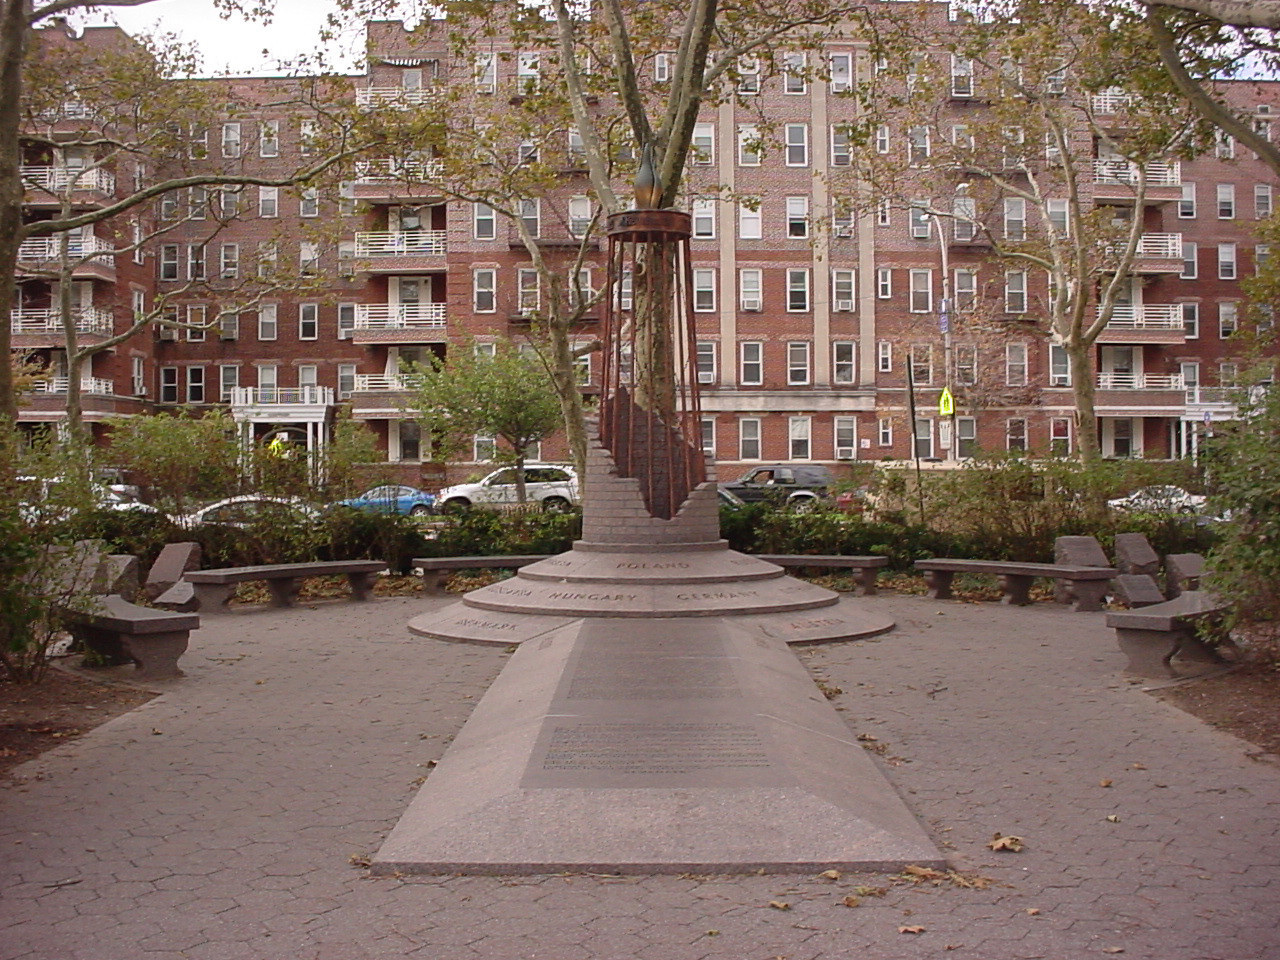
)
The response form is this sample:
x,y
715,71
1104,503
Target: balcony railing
x,y
50,248
1140,381
1162,246
418,243
49,321
1112,101
279,396
384,382
94,385
399,170
59,179
1159,173
1147,316
394,316
393,96
1216,396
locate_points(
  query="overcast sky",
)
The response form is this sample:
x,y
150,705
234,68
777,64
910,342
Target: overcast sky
x,y
237,44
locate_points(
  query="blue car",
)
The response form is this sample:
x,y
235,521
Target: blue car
x,y
392,498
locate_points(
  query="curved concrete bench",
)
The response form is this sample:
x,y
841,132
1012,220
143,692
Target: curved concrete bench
x,y
120,630
1152,636
868,567
213,588
1088,584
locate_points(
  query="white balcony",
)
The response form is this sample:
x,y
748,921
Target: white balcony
x,y
398,170
1147,316
49,321
400,316
50,248
91,385
1198,396
418,243
281,396
367,97
384,383
1140,381
1160,246
1117,170
60,179
1112,101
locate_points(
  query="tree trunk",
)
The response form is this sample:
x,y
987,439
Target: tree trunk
x,y
1082,386
13,42
655,371
564,379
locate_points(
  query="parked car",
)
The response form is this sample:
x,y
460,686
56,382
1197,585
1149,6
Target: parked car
x,y
50,499
796,485
1159,499
727,497
393,498
855,500
245,509
552,485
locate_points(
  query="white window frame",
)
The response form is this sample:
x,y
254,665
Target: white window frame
x,y
1187,202
703,146
1190,310
1228,318
1227,266
484,221
797,144
269,202
844,367
799,299
232,141
843,290
269,138
704,290
797,218
841,149
484,288
884,283
1015,218
308,321
841,71
799,438
920,291
750,153
1190,259
1016,364
1226,201
799,363
795,80
195,384
704,218
749,442
346,320
528,291
705,361
751,289
884,356
1059,366
1262,201
1015,291
309,202
750,363
580,215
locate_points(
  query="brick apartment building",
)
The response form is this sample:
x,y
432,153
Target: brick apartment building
x,y
807,316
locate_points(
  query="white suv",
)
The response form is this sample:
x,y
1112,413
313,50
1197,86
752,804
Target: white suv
x,y
552,485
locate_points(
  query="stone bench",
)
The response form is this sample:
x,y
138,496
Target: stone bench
x,y
121,631
434,568
213,588
1088,584
868,567
1152,636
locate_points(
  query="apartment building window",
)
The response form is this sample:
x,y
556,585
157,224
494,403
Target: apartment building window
x,y
308,321
846,437
749,439
884,356
843,369
882,138
229,261
269,138
268,257
198,203
1191,320
1015,218
228,380
704,218
704,144
1015,364
749,145
704,290
483,290
965,357
964,288
1260,255
794,77
842,221
707,426
309,203
750,287
841,68
267,326
798,363
1189,264
1059,366
662,67
1015,291
577,149
750,220
1226,261
1187,204
884,283
195,384
841,151
531,216
797,291
580,216
229,324
168,384
195,261
1225,148
168,261
1228,374
923,438
486,73
196,314
527,152
961,77
529,290
748,75
229,201
1228,318
1014,147
966,437
962,137
169,205
1262,200
920,356
918,147
527,73
921,222
1060,436
268,382
346,380
580,289
1015,433
921,299
964,223
346,320
1190,372
797,141
884,212
268,202
799,430
884,432
625,290
1226,201
138,303
751,372
308,258
797,217
231,142
842,288
706,361
484,221
346,258
1059,220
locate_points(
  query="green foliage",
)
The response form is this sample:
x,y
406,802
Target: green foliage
x,y
184,460
136,532
488,532
349,534
1243,463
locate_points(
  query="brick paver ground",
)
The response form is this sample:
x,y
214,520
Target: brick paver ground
x,y
227,818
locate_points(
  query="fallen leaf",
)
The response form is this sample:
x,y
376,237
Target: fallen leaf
x,y
920,874
830,874
1113,819
867,738
871,891
851,901
1001,842
1113,949
155,731
1104,783
359,860
916,928
779,904
1138,766
713,933
1033,911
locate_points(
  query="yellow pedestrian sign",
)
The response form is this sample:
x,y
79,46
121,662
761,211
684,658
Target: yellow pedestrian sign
x,y
946,405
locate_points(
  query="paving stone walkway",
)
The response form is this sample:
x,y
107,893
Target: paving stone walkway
x,y
227,819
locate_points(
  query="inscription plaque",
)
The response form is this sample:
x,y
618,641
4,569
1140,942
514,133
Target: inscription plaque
x,y
655,748
650,678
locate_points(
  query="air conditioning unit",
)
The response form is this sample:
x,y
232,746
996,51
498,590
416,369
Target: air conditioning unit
x,y
167,333
844,230
751,305
229,335
140,390
844,306
345,334
705,376
844,453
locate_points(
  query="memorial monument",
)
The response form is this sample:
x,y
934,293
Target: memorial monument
x,y
652,718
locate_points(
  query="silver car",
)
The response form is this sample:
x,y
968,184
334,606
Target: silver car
x,y
552,485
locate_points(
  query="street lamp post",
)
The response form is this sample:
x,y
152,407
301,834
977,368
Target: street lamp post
x,y
946,405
